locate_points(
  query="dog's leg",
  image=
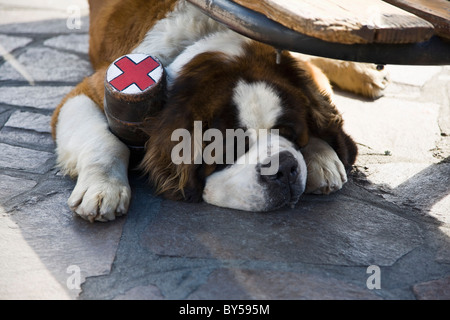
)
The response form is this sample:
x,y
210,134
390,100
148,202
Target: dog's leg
x,y
326,173
88,150
365,79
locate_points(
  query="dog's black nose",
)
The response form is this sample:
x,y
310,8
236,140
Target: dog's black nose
x,y
281,169
283,179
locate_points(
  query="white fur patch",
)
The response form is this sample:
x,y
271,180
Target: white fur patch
x,y
227,42
180,29
87,149
258,104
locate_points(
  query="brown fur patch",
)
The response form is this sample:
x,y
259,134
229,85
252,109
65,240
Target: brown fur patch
x,y
117,26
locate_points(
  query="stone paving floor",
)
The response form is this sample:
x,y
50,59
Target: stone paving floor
x,y
386,235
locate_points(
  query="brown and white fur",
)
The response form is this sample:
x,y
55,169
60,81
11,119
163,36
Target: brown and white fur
x,y
218,77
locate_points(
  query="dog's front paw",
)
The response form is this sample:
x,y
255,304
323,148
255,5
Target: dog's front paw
x,y
100,196
326,173
325,176
373,80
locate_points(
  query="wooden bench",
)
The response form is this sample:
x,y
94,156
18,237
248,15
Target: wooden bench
x,y
403,32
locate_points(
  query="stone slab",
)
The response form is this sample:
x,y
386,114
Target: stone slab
x,y
30,121
86,246
20,23
402,91
412,75
444,117
245,284
23,275
45,64
24,159
27,139
12,186
9,43
141,293
407,129
433,290
5,113
336,230
40,97
393,174
423,187
136,270
443,253
73,42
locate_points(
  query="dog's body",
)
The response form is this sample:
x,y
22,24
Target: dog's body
x,y
220,78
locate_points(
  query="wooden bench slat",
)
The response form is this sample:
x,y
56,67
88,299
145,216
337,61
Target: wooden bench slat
x,y
345,21
435,11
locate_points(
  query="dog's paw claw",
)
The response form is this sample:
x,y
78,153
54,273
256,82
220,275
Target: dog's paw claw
x,y
100,199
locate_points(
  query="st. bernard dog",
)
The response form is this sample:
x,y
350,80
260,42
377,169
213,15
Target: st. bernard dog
x,y
225,81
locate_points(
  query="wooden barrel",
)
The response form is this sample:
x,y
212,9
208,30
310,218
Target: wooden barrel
x,y
134,89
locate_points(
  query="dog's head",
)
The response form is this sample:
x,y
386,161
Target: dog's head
x,y
233,127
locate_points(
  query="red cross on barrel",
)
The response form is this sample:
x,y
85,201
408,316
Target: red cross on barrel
x,y
134,89
134,73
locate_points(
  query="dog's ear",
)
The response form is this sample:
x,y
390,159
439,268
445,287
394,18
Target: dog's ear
x,y
323,120
326,123
170,157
